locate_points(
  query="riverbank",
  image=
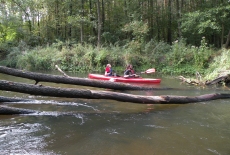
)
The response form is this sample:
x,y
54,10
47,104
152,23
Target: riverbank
x,y
175,59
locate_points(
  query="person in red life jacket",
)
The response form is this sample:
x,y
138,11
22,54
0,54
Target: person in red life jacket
x,y
108,70
129,72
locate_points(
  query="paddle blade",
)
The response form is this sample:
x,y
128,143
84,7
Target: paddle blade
x,y
152,70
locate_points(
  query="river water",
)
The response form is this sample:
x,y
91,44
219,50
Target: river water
x,y
106,127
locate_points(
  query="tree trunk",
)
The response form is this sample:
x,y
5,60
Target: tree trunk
x,y
103,16
150,19
224,78
58,30
91,94
178,6
69,27
228,40
39,77
169,34
82,26
91,18
222,36
4,110
99,24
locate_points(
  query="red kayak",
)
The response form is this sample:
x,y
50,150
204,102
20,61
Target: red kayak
x,y
123,79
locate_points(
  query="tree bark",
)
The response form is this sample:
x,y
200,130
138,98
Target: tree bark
x,y
228,40
169,33
178,6
91,18
102,16
82,24
99,24
10,99
4,110
91,94
39,77
224,78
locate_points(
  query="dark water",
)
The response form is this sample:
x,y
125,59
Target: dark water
x,y
106,127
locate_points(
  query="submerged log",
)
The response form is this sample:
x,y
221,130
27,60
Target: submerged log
x,y
90,94
4,110
10,99
224,79
189,81
221,79
39,77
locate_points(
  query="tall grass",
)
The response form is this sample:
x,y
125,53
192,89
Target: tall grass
x,y
186,59
220,64
178,58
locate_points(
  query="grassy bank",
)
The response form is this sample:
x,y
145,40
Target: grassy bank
x,y
175,59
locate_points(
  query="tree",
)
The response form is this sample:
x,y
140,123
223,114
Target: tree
x,y
228,40
179,7
169,33
99,23
210,23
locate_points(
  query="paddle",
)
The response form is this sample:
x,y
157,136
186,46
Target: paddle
x,y
151,70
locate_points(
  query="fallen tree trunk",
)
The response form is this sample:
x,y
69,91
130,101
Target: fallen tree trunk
x,y
219,80
39,77
90,94
4,110
10,99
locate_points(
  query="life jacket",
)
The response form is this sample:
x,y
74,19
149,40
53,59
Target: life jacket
x,y
110,72
127,72
132,71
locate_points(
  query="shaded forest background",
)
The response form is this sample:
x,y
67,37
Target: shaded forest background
x,y
175,37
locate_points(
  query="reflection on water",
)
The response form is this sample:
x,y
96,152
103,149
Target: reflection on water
x,y
102,127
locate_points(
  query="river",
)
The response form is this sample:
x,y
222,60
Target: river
x,y
106,127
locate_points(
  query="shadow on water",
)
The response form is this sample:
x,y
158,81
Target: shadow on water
x,y
102,127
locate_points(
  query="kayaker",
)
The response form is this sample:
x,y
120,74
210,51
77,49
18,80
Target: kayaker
x,y
129,72
108,70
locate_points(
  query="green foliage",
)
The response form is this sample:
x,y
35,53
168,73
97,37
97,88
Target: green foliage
x,y
40,22
207,22
221,63
4,48
37,59
173,60
154,54
138,28
8,32
134,33
184,59
79,58
12,58
102,58
201,55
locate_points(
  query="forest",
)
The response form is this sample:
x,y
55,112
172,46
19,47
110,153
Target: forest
x,y
175,37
